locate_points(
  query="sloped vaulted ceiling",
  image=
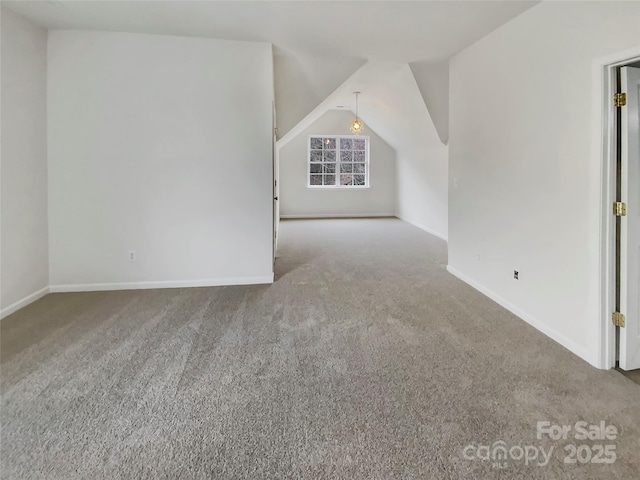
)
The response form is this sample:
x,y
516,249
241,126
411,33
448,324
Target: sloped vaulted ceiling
x,y
317,44
433,81
303,81
390,104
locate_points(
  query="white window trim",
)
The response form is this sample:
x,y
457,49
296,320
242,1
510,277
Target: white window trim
x,y
367,183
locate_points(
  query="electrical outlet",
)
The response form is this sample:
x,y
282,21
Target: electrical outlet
x,y
515,274
132,255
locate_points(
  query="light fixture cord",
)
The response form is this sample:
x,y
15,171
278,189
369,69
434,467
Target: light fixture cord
x,y
357,105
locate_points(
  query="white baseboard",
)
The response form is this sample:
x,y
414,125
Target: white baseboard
x,y
215,282
337,215
530,319
422,227
24,302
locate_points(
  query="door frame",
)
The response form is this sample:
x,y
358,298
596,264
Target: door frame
x,y
275,186
604,147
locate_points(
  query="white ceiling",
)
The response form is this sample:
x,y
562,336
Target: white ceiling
x,y
323,50
302,81
398,31
390,104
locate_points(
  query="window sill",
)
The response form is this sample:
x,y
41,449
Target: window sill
x,y
322,187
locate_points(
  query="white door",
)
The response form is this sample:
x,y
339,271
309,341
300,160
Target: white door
x,y
630,229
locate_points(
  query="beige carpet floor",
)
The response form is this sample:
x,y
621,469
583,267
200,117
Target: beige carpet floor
x,y
364,360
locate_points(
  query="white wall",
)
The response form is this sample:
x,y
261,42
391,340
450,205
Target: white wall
x,y
298,200
433,82
161,145
421,158
422,188
520,142
25,270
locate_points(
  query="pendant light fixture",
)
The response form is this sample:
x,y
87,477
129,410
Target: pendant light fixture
x,y
356,125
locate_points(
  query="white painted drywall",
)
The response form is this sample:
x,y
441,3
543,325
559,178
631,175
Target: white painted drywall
x,y
396,31
161,145
303,81
528,193
422,188
25,265
298,200
433,81
396,110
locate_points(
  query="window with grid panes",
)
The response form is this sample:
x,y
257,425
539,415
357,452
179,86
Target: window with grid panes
x,y
340,161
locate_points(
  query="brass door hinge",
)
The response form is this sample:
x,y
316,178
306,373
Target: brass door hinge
x,y
619,209
618,319
619,99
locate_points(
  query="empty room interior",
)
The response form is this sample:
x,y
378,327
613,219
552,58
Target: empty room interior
x,y
320,239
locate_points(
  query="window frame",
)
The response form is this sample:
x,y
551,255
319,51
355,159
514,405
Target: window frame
x,y
337,186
